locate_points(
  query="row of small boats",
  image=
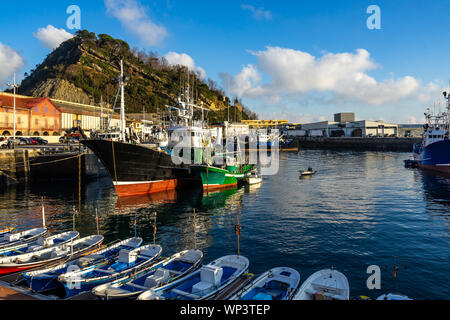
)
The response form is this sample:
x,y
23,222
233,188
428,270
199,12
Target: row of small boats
x,y
129,270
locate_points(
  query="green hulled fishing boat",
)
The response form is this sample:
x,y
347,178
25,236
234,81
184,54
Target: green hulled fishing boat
x,y
214,177
240,171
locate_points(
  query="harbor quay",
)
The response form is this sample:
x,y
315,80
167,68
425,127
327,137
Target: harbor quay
x,y
358,144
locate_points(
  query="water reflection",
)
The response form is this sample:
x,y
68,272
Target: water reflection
x,y
436,188
359,209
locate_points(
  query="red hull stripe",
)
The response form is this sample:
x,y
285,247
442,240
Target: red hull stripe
x,y
219,186
8,270
134,189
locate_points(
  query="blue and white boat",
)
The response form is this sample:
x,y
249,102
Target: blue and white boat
x,y
127,263
6,231
40,243
434,151
326,284
10,240
161,273
204,283
276,284
52,255
47,279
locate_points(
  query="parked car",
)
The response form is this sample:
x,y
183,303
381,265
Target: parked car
x,y
31,141
39,140
20,141
4,142
70,138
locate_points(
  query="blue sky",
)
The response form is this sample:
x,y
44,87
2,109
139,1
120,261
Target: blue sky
x,y
296,60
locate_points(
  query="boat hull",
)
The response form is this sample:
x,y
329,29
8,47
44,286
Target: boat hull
x,y
435,156
13,269
214,178
136,169
41,284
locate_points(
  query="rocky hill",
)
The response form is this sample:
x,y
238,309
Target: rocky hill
x,y
85,68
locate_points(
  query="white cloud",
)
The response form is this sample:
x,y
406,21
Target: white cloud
x,y
10,62
258,13
134,18
183,59
343,74
51,37
243,83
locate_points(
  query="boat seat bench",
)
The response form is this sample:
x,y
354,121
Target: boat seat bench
x,y
186,294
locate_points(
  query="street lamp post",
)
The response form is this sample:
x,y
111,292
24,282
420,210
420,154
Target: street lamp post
x,y
14,86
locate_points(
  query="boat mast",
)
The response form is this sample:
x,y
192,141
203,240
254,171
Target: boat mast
x,y
448,113
122,103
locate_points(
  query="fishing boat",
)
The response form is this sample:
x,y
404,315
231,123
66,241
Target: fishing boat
x,y
240,171
204,283
137,168
253,178
327,284
434,151
13,239
127,263
161,273
214,178
5,231
276,284
308,172
40,243
46,256
393,296
47,279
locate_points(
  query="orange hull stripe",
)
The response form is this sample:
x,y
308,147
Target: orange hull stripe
x,y
145,188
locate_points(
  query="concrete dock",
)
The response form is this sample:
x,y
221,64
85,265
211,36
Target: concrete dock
x,y
359,144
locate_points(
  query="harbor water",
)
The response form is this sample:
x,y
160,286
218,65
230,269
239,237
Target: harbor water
x,y
359,209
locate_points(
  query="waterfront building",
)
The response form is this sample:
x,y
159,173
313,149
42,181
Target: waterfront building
x,y
236,129
264,123
344,117
360,128
410,130
34,116
50,117
363,129
86,116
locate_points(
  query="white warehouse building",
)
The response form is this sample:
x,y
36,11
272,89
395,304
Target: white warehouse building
x,y
362,128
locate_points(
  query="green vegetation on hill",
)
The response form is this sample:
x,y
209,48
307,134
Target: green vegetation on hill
x,y
85,68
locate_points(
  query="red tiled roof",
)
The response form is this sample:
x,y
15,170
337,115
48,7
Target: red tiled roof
x,y
7,100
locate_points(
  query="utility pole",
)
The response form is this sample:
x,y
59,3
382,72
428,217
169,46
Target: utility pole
x,y
14,86
122,104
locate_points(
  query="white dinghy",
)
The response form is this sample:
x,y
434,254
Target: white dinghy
x,y
53,254
40,243
253,178
10,240
204,283
276,284
158,275
393,296
327,284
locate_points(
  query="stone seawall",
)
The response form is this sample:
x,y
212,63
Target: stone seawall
x,y
15,166
363,144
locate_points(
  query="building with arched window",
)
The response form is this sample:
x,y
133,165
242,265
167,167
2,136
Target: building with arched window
x,y
51,117
33,115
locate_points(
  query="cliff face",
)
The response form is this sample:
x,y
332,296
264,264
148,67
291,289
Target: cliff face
x,y
85,68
